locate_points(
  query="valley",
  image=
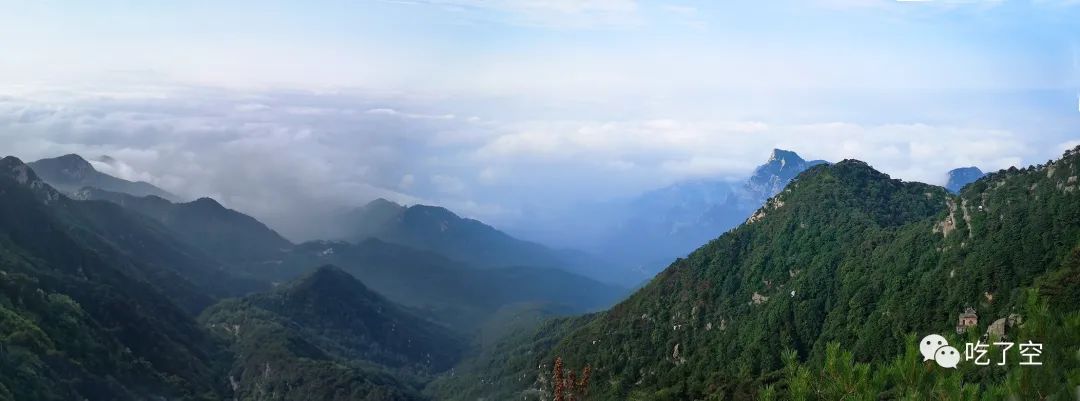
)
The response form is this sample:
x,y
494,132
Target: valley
x,y
114,295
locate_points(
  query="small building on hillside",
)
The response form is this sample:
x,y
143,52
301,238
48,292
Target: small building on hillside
x,y
966,320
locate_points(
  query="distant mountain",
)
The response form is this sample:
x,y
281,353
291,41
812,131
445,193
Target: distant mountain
x,y
960,177
151,251
666,223
326,336
84,316
466,240
70,173
771,178
225,234
445,290
823,292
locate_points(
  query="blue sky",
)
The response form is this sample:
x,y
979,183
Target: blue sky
x,y
486,106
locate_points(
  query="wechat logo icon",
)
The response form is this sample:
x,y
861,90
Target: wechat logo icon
x,y
935,347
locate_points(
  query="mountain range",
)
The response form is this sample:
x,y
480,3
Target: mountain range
x,y
225,234
472,242
86,317
457,294
326,336
640,235
817,294
70,173
440,230
463,296
822,294
101,293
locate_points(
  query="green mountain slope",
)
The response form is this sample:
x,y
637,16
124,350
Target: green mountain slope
x,y
69,173
444,289
470,241
326,336
81,319
225,234
844,255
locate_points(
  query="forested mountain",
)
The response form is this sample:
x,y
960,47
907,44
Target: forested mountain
x,y
661,225
846,256
69,173
440,230
817,295
190,277
80,317
470,241
326,336
227,235
446,290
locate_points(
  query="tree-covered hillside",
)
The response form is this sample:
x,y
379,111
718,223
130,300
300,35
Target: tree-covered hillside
x,y
81,318
325,336
472,242
227,235
445,290
844,255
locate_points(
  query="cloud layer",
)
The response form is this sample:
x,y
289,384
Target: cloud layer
x,y
289,157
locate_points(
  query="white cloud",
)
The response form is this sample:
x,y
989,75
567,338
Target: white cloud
x,y
448,184
694,149
283,166
407,182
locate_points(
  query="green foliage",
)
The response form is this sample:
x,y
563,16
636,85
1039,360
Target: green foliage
x,y
326,336
514,366
224,234
79,318
461,296
440,230
836,269
908,377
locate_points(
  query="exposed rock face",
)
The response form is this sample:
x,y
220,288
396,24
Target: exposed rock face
x,y
24,176
960,177
999,328
771,178
758,299
947,226
996,330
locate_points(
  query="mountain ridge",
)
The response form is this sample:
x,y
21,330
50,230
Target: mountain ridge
x,y
71,172
437,229
80,317
446,290
227,235
844,255
326,336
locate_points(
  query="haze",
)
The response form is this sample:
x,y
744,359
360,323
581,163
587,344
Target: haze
x,y
503,110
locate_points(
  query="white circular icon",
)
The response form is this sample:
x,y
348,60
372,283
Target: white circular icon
x,y
930,344
947,357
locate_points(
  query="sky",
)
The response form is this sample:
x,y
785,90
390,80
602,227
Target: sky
x,y
502,109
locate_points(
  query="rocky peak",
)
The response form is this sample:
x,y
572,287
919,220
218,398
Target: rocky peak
x,y
14,168
23,175
74,166
782,156
960,177
770,178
